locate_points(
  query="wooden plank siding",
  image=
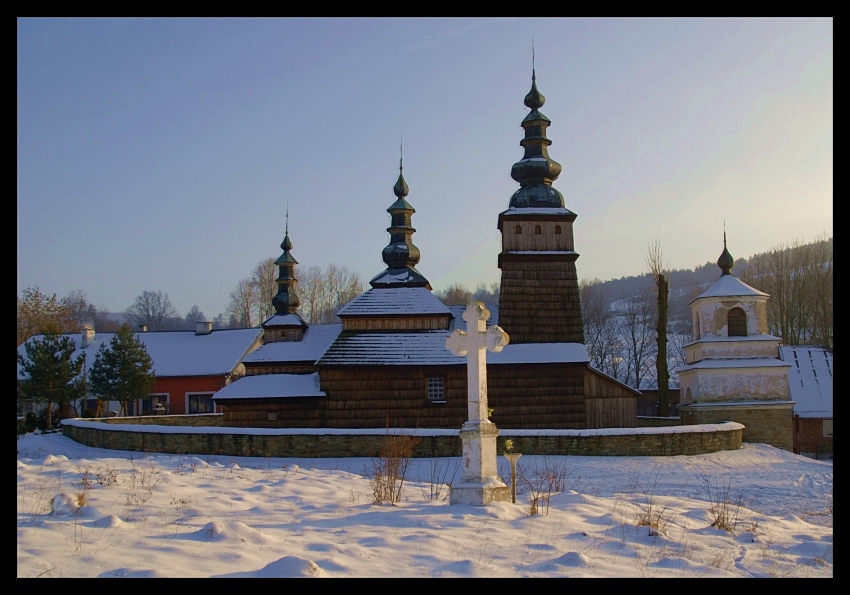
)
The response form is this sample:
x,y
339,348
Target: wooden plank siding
x,y
613,405
288,412
547,239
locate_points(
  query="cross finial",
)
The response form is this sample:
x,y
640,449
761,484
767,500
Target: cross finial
x,y
287,218
401,154
533,77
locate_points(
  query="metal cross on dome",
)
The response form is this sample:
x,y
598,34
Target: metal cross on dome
x,y
474,343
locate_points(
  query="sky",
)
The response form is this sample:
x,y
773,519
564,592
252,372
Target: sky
x,y
163,154
155,515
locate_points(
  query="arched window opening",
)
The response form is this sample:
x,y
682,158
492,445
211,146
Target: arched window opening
x,y
557,230
518,229
737,321
537,230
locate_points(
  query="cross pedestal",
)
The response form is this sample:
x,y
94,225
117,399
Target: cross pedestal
x,y
480,483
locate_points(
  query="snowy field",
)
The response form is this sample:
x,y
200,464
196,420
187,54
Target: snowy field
x,y
88,512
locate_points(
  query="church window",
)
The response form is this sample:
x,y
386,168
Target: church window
x,y
518,229
537,230
737,321
435,390
557,230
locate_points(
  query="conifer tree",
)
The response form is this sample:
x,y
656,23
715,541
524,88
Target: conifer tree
x,y
51,375
123,371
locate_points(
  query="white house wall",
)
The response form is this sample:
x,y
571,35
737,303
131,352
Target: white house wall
x,y
734,384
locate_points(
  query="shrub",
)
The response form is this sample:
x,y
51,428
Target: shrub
x,y
389,468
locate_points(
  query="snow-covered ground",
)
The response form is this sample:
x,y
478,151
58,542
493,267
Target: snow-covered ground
x,y
150,515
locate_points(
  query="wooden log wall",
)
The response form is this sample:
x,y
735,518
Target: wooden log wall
x,y
394,396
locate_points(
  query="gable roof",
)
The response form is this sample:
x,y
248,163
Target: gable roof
x,y
809,379
178,353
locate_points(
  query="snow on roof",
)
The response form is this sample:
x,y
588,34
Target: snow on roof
x,y
729,286
536,211
394,301
284,320
270,386
428,348
743,362
809,379
178,353
315,342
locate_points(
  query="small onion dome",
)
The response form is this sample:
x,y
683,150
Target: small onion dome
x,y
725,262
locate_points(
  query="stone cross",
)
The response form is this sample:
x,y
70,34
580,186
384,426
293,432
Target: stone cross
x,y
480,483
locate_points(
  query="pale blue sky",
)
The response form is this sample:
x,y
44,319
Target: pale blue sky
x,y
161,154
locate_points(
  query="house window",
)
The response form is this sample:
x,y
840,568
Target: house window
x,y
435,390
518,229
200,403
557,230
537,230
827,428
154,405
737,321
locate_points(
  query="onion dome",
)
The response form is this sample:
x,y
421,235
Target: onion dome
x,y
536,171
286,301
725,262
401,255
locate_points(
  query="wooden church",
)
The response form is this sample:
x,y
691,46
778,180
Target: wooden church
x,y
387,365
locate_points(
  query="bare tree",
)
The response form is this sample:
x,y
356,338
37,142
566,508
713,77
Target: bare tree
x,y
243,308
488,295
194,315
656,268
264,279
154,310
798,277
310,291
600,329
37,310
636,328
455,294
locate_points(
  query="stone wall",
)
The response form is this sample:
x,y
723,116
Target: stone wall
x,y
425,443
765,423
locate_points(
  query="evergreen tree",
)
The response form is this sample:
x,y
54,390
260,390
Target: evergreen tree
x,y
123,371
51,375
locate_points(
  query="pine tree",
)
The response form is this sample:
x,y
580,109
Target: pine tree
x,y
51,375
123,371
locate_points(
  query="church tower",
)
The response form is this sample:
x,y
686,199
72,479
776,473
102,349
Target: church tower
x,y
539,296
733,370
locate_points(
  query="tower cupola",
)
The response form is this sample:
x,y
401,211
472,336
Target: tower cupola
x,y
401,255
536,171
